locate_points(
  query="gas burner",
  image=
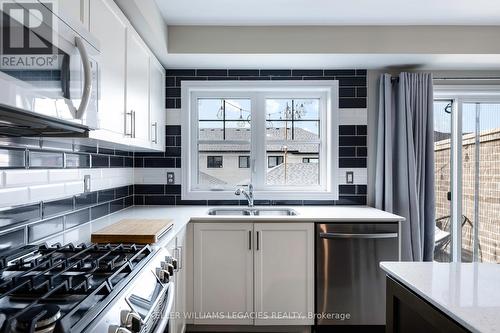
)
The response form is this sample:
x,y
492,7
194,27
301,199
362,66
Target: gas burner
x,y
39,319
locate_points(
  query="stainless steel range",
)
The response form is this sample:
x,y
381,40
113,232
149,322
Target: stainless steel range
x,y
86,288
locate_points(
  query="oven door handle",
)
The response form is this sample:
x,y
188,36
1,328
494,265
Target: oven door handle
x,y
330,235
87,79
165,316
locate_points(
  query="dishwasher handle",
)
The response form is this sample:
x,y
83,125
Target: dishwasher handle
x,y
381,235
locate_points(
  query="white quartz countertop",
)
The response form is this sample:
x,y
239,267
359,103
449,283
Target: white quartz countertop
x,y
182,215
468,293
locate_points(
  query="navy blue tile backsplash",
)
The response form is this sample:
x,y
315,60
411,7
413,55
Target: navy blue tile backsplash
x,y
352,139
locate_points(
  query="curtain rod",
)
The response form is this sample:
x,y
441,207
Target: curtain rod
x,y
493,78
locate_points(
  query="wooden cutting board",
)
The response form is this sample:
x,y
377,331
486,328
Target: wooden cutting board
x,y
138,231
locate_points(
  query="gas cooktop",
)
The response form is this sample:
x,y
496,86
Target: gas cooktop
x,y
63,288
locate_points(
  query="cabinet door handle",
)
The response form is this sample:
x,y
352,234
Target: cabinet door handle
x,y
250,240
133,123
155,126
131,114
257,240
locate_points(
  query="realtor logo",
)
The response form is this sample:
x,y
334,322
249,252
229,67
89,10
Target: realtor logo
x,y
27,36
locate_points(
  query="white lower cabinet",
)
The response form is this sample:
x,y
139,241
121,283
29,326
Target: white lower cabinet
x,y
261,271
177,323
223,273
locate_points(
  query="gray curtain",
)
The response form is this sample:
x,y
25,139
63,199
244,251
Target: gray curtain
x,y
404,169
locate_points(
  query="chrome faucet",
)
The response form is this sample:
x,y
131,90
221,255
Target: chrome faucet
x,y
248,195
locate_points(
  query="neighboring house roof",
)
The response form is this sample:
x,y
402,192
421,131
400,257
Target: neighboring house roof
x,y
297,174
243,134
206,179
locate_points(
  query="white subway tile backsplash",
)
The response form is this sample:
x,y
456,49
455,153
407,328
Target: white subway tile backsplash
x,y
155,175
73,188
14,178
360,175
13,196
57,176
353,117
46,192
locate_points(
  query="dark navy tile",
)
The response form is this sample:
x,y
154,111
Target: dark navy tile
x,y
107,151
287,202
361,151
56,207
173,189
262,202
178,162
179,79
347,151
275,72
85,200
307,72
11,240
361,189
12,158
178,103
105,195
351,200
170,141
138,162
340,72
361,129
138,200
159,200
173,92
243,72
347,189
352,141
352,162
121,152
85,149
173,130
116,161
170,103
164,162
148,154
173,151
352,103
121,192
347,92
77,161
211,72
128,201
319,202
128,162
361,92
361,72
347,130
222,78
149,189
99,211
44,159
179,201
178,141
170,81
45,228
116,205
77,218
27,213
352,81
254,78
223,202
100,161
180,72
287,78
318,78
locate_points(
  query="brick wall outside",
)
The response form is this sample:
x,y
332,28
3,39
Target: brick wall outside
x,y
489,191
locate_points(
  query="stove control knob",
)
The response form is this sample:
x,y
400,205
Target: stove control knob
x,y
163,276
174,263
117,329
171,260
168,267
130,320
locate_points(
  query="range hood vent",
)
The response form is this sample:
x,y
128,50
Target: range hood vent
x,y
21,123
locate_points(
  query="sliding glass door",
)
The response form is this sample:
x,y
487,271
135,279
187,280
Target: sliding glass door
x,y
467,174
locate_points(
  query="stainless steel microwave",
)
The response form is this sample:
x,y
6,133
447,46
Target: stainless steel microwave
x,y
49,67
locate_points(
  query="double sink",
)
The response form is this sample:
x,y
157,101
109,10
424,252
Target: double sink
x,y
249,211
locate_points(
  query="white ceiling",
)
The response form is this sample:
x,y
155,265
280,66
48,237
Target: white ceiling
x,y
330,12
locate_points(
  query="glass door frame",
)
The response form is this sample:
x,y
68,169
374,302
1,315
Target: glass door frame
x,y
459,95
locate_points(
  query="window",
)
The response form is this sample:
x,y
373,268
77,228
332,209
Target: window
x,y
214,161
244,162
466,145
279,136
273,161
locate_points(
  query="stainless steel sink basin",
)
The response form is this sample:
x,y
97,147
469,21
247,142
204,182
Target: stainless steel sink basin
x,y
253,211
229,211
275,212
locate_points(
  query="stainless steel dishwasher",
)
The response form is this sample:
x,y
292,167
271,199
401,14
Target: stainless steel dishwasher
x,y
350,286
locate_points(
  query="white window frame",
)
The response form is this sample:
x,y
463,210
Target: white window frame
x,y
258,92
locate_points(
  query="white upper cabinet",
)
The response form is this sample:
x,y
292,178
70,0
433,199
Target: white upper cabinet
x,y
157,104
284,262
223,272
137,118
109,25
75,10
